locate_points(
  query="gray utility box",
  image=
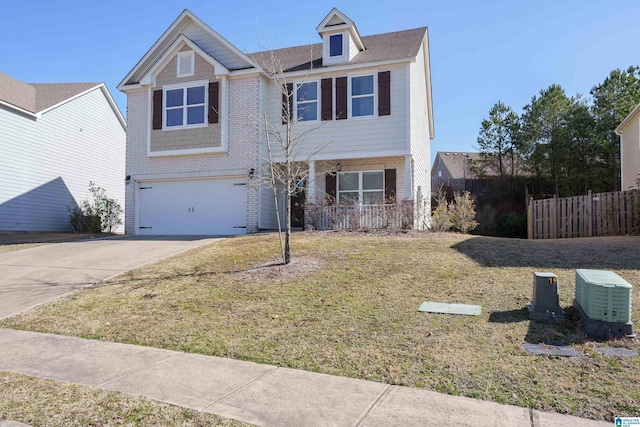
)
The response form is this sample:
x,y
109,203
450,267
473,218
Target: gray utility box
x,y
545,306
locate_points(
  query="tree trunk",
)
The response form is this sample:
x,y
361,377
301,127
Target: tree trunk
x,y
287,214
287,233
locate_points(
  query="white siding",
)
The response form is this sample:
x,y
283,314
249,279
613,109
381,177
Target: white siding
x,y
630,154
353,49
354,137
419,130
47,163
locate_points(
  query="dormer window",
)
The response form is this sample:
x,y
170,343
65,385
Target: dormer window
x,y
186,62
341,41
335,45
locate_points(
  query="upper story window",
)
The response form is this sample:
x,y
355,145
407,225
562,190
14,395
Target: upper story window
x,y
307,101
186,61
335,45
365,187
362,95
185,106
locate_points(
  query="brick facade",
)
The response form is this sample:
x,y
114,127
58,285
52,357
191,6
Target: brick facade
x,y
242,155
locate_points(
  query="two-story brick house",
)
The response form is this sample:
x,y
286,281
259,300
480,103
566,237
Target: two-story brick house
x,y
196,107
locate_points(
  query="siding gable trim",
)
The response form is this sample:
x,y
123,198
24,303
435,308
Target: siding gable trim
x,y
172,52
626,120
181,22
101,86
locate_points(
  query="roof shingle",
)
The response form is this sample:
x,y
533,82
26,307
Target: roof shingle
x,y
17,93
36,97
379,47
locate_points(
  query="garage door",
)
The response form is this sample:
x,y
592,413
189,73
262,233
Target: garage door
x,y
193,207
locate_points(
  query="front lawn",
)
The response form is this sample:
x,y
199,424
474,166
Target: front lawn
x,y
349,306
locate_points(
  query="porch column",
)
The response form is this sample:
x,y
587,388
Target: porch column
x,y
311,182
408,178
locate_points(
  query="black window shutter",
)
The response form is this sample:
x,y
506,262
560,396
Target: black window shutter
x,y
341,98
287,103
384,93
330,188
157,109
326,86
390,186
214,101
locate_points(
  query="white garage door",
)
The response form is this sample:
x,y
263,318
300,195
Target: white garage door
x,y
193,207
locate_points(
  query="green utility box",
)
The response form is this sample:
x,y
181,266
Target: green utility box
x,y
603,300
603,295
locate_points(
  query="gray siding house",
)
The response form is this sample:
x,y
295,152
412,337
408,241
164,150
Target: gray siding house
x,y
54,139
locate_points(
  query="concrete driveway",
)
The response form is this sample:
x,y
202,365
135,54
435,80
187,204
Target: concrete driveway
x,y
33,276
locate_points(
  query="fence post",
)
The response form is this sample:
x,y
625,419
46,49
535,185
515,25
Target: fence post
x,y
553,212
530,219
589,214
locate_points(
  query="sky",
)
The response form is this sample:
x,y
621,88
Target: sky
x,y
481,51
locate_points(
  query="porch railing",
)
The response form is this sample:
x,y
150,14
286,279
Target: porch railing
x,y
361,217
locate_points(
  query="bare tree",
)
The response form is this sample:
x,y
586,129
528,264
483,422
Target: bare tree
x,y
286,164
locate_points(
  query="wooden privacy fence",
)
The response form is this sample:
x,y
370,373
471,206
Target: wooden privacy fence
x,y
600,214
473,186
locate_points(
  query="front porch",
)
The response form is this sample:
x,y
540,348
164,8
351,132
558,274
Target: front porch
x,y
355,194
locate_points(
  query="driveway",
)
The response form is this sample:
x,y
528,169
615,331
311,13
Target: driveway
x,y
33,276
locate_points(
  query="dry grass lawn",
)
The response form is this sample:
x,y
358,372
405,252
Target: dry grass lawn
x,y
348,306
41,402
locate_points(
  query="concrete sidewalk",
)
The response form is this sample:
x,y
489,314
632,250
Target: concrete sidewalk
x,y
250,392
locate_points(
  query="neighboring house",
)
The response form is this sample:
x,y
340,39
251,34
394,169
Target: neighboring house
x,y
459,171
629,131
54,139
454,165
196,105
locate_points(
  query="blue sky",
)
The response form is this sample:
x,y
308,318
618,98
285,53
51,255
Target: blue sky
x,y
481,51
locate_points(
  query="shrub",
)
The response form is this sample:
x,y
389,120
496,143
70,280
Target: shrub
x,y
100,214
513,224
441,217
463,212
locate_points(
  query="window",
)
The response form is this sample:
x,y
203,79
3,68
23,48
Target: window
x,y
307,101
362,95
335,45
185,106
366,187
185,64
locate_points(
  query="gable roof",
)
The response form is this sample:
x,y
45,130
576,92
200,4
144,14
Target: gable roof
x,y
397,45
627,119
183,22
36,99
179,43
